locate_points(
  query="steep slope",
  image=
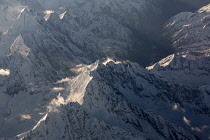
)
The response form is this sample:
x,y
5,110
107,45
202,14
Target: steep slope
x,y
36,53
71,122
190,37
118,94
144,19
143,90
120,106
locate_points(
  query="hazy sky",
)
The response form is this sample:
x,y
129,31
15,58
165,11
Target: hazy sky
x,y
195,3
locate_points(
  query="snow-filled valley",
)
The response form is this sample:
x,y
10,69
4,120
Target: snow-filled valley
x,y
75,70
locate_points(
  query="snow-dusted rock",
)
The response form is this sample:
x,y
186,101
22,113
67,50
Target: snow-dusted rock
x,y
190,36
47,54
118,94
71,122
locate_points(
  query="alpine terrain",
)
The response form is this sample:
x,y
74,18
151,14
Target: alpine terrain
x,y
104,70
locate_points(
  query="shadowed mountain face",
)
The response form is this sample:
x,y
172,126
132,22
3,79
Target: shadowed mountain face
x,y
150,39
194,3
147,28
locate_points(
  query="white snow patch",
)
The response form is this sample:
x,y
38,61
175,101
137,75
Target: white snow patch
x,y
42,113
25,117
204,9
116,62
21,12
187,25
78,87
79,84
58,89
40,121
175,106
171,24
62,15
4,72
186,121
164,62
63,80
47,14
79,68
200,129
55,103
20,136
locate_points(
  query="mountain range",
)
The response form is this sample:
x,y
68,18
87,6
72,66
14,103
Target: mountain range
x,y
80,69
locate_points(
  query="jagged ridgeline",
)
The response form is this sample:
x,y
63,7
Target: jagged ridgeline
x,y
64,73
136,26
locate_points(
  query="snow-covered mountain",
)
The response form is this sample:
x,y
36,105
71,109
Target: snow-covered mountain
x,y
190,37
58,79
123,97
125,105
